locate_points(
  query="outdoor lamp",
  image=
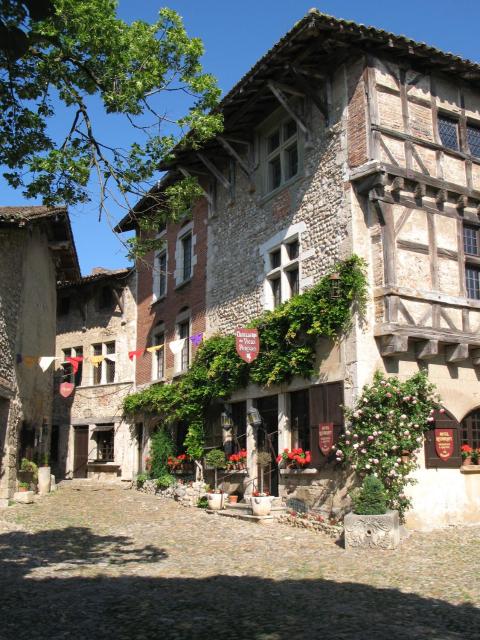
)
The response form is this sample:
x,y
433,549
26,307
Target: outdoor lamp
x,y
226,420
254,418
334,285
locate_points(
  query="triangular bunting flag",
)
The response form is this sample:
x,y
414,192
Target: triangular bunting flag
x,y
155,348
177,345
96,360
135,354
45,362
74,361
30,361
196,339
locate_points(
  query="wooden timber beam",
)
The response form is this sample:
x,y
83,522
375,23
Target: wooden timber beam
x,y
393,345
427,349
279,95
214,171
306,87
366,184
119,299
242,164
456,352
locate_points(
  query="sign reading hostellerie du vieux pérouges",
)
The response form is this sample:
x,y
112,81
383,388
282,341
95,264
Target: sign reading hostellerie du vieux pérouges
x,y
247,343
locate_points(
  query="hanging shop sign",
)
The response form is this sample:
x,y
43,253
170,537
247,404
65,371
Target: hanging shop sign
x,y
66,389
444,443
325,437
247,343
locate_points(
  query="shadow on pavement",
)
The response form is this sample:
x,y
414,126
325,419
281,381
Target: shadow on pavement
x,y
233,607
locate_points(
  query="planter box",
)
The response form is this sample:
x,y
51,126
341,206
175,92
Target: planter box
x,y
372,532
24,497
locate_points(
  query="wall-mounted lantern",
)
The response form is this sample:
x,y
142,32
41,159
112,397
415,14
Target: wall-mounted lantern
x,y
226,420
254,418
335,285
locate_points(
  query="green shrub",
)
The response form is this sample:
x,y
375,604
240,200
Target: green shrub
x,y
371,499
164,481
161,448
216,458
30,466
141,479
202,502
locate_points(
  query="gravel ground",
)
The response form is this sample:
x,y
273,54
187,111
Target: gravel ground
x,y
115,563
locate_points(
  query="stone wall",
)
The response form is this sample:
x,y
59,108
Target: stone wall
x,y
187,493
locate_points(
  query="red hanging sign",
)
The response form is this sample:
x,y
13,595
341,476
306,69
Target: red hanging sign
x,y
66,389
325,437
444,443
247,343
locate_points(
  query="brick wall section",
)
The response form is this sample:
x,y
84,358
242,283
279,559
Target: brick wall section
x,y
191,295
356,125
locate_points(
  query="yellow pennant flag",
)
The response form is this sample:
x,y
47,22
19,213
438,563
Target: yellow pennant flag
x,y
155,348
29,361
96,360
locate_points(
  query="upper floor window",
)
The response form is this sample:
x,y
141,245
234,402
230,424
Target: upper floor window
x,y
471,247
473,140
162,274
281,154
184,332
69,374
448,132
104,372
158,355
186,243
283,278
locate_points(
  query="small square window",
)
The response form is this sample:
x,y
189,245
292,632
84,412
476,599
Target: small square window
x,y
473,140
275,259
293,249
472,278
470,240
448,132
276,292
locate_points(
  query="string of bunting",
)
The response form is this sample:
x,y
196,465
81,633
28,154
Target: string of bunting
x,y
45,362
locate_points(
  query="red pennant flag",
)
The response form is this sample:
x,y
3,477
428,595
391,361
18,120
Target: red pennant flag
x,y
135,354
66,389
74,361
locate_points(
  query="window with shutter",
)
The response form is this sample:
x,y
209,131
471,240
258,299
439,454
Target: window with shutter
x,y
326,401
432,459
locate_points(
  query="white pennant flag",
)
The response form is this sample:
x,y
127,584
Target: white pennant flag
x,y
111,356
177,345
46,361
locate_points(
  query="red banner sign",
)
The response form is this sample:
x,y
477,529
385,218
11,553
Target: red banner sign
x,y
444,443
325,437
247,343
66,389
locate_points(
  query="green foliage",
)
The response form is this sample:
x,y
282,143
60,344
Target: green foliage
x,y
202,503
165,480
141,479
263,458
84,56
161,448
23,485
30,466
287,349
371,499
386,427
215,458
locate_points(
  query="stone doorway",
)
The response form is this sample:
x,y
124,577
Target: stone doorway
x,y
267,440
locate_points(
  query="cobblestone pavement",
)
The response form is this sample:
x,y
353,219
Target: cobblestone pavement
x,y
115,563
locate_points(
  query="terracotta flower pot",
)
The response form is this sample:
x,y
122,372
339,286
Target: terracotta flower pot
x,y
233,499
467,461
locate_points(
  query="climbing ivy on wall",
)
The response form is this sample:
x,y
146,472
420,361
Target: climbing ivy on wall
x,y
288,337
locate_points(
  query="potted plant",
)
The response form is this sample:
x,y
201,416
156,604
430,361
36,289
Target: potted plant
x,y
237,461
467,454
475,455
371,524
23,487
233,498
215,458
294,459
44,475
28,471
261,501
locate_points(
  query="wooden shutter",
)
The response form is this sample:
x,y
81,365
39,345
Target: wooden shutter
x,y
432,460
326,402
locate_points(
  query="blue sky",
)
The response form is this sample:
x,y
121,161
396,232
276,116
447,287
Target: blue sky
x,y
235,35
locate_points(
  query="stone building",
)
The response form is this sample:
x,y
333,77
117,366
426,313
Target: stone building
x,y
36,251
96,331
171,293
346,139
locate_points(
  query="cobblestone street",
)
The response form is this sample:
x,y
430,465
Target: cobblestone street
x,y
115,563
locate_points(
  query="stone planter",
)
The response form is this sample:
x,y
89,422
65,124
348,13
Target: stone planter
x,y
44,480
261,505
372,532
215,501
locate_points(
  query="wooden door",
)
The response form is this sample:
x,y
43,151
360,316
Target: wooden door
x,y
267,440
80,452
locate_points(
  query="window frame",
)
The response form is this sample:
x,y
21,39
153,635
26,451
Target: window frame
x,y
100,374
471,260
451,119
279,276
158,356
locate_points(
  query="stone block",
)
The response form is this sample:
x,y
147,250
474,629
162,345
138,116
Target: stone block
x,y
372,532
24,497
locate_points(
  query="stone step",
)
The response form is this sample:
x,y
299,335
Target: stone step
x,y
240,515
